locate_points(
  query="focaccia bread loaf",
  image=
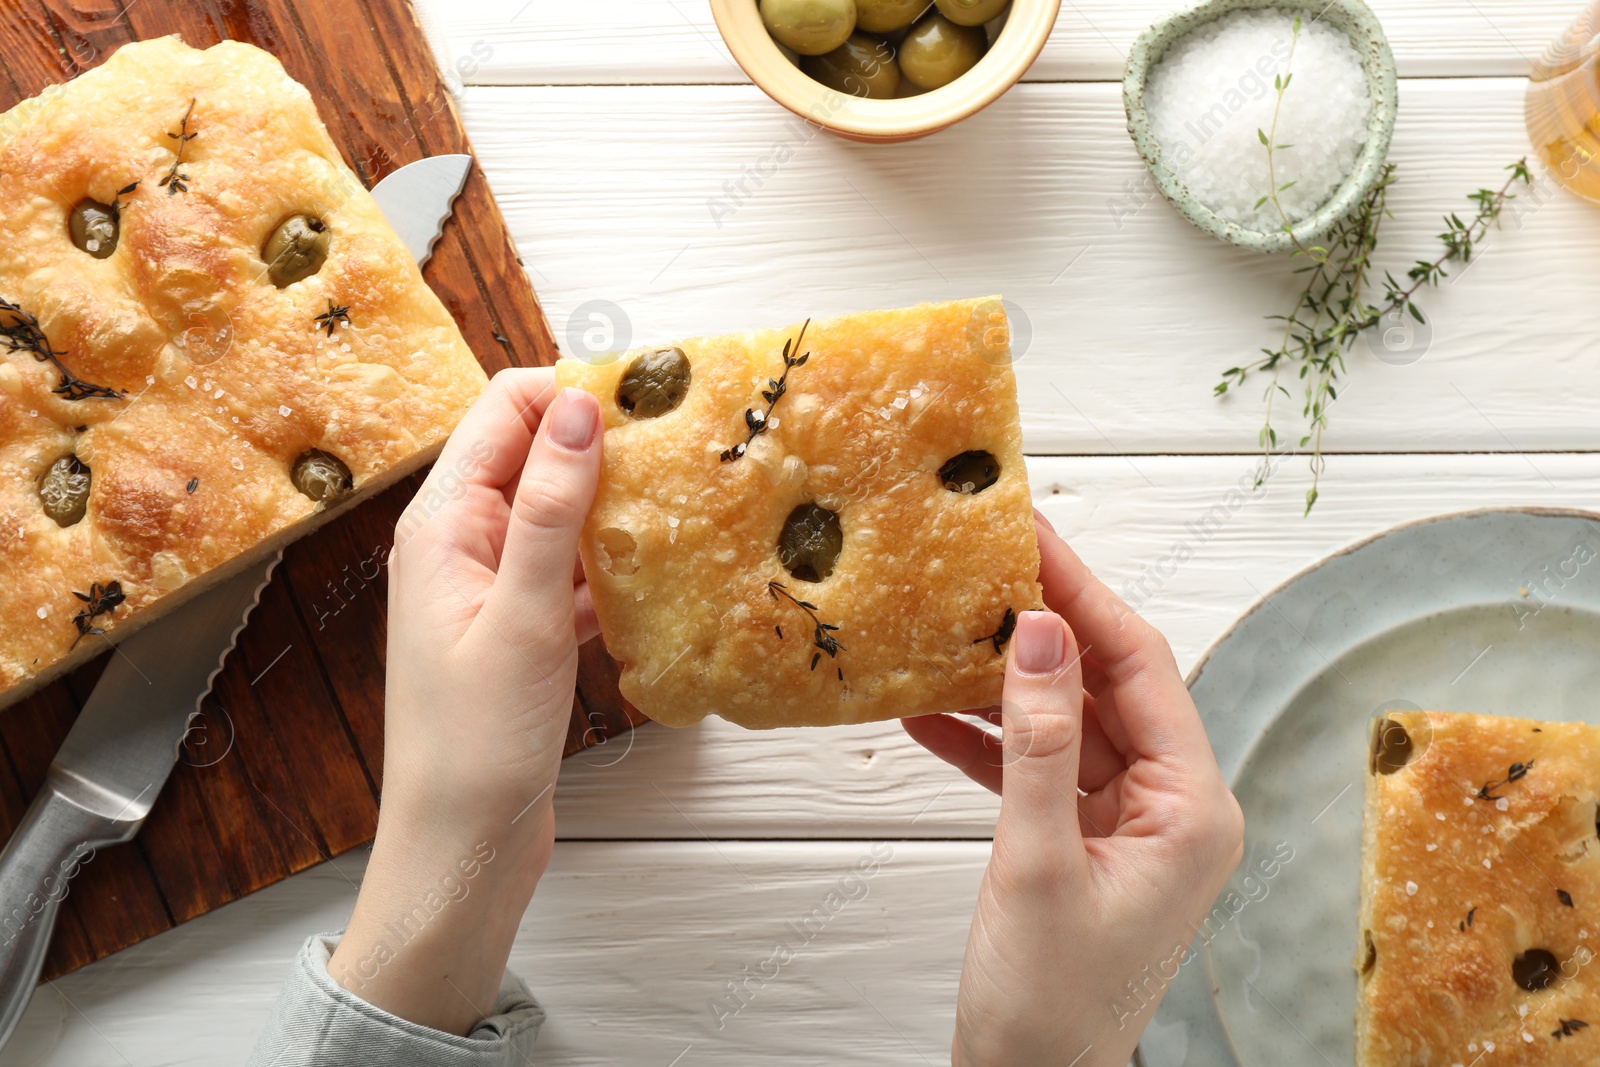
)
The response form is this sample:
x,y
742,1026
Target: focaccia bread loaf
x,y
1480,893
152,355
736,467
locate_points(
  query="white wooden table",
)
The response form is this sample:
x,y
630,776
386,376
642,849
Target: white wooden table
x,y
605,127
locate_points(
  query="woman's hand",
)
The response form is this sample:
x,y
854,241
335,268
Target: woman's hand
x,y
1116,831
487,608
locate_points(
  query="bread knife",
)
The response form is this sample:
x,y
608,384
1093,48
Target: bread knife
x,y
112,765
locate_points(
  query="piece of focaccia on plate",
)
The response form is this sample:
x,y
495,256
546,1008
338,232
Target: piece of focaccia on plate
x,y
1480,893
824,523
211,341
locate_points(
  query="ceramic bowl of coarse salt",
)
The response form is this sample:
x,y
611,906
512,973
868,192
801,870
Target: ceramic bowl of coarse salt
x,y
1200,90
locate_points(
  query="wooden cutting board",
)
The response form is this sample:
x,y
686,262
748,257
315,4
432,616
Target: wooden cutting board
x,y
284,766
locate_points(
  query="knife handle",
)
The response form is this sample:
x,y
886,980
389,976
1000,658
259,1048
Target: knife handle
x,y
35,866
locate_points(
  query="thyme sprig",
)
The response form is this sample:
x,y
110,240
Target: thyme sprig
x,y
99,600
334,317
1517,772
1332,308
756,422
176,181
1007,627
1568,1028
822,632
1269,139
24,334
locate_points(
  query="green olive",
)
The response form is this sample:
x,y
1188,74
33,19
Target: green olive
x,y
937,52
654,383
64,490
885,16
810,27
321,476
810,542
971,12
862,66
296,250
94,228
970,472
1391,747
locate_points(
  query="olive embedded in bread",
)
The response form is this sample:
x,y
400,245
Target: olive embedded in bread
x,y
94,227
64,490
970,472
971,12
937,52
321,476
886,16
862,66
810,542
654,383
296,250
810,27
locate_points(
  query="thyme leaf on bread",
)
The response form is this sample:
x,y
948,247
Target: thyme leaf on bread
x,y
1008,626
1516,773
334,317
822,632
1569,1028
756,422
99,600
22,333
176,181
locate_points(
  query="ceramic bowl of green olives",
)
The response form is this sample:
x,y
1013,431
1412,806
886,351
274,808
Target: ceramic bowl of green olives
x,y
885,70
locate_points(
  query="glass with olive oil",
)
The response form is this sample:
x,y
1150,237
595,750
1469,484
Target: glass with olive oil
x,y
1563,106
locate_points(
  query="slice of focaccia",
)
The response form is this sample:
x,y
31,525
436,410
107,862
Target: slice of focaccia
x,y
824,523
1480,893
211,341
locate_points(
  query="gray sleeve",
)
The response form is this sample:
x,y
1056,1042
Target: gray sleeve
x,y
319,1023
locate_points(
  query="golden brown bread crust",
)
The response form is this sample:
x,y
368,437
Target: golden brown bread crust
x,y
228,379
680,547
1472,852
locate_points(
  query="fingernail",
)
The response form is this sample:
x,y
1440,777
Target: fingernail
x,y
1039,516
1039,643
572,420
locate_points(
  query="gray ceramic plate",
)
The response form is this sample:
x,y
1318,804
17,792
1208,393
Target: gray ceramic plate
x,y
1484,611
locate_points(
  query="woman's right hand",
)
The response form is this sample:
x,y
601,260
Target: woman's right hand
x,y
1116,831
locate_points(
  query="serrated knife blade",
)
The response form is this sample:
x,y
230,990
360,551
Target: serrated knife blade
x,y
111,768
418,198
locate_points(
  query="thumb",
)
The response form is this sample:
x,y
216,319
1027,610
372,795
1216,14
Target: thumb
x,y
534,581
1041,721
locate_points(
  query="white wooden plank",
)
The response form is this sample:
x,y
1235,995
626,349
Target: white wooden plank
x,y
537,42
1130,518
625,946
621,195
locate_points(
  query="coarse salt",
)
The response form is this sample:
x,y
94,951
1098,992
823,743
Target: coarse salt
x,y
1211,97
1502,804
1411,889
